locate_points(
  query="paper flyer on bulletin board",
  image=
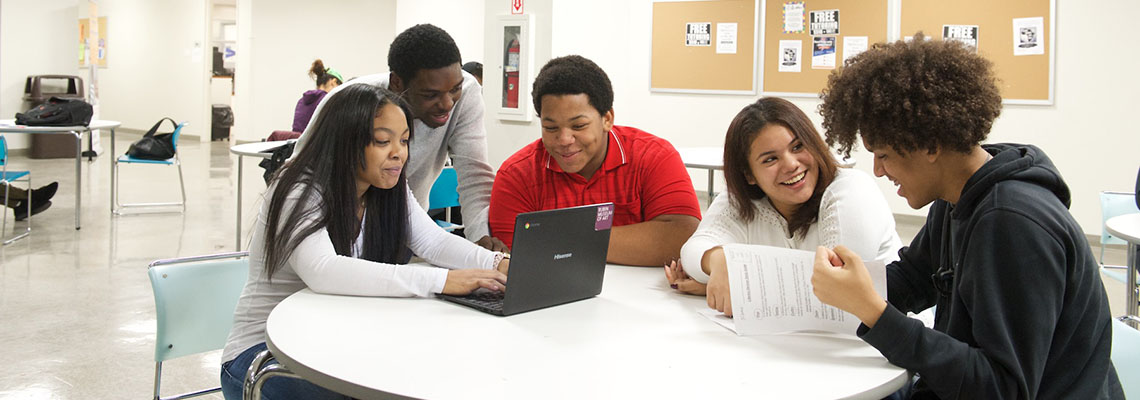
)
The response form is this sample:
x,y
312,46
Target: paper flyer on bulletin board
x,y
793,16
86,41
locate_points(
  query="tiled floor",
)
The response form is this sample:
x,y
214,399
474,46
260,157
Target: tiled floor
x,y
76,309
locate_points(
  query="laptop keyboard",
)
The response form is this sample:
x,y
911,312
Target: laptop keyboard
x,y
491,300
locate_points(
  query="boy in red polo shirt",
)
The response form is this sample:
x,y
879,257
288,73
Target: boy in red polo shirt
x,y
583,158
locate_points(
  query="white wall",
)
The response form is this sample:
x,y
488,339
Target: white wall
x,y
462,19
278,41
1089,133
157,54
54,25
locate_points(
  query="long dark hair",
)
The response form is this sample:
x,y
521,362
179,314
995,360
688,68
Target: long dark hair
x,y
324,172
738,141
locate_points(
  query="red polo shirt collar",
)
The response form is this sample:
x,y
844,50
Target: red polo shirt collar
x,y
615,157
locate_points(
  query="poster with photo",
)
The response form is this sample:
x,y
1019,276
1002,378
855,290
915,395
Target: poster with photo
x,y
823,52
790,55
967,34
698,34
1027,39
824,23
794,17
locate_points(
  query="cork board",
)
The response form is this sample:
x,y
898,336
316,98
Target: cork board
x,y
856,18
689,53
1024,79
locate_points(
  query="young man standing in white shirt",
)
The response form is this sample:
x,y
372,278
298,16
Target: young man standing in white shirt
x,y
448,109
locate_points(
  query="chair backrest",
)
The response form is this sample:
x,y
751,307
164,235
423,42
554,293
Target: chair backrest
x,y
194,302
1111,205
3,150
444,192
174,136
1126,357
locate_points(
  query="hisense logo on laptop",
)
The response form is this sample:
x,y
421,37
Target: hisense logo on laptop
x,y
563,256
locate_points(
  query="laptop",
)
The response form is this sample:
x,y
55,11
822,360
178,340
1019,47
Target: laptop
x,y
559,256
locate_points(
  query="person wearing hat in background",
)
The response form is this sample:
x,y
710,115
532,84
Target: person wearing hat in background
x,y
327,80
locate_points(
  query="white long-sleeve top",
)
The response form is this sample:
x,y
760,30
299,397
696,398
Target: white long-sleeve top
x,y
314,264
463,138
852,213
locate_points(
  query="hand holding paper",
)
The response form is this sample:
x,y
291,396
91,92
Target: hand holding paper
x,y
840,279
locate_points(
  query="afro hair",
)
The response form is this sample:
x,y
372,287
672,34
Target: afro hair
x,y
574,75
916,95
423,46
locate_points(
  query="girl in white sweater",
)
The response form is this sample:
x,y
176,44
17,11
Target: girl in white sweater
x,y
341,220
785,189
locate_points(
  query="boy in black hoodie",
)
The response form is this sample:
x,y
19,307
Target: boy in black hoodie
x,y
1021,310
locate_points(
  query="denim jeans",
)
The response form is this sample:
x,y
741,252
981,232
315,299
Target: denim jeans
x,y
276,388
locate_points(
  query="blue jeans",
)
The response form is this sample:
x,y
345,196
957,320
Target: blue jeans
x,y
276,388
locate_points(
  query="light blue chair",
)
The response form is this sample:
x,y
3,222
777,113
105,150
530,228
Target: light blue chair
x,y
444,194
118,207
6,179
194,300
1113,204
1126,357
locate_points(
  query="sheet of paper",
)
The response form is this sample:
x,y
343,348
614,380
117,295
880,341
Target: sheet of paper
x,y
698,34
719,318
794,17
852,46
790,55
1027,39
824,23
772,292
823,52
967,34
726,38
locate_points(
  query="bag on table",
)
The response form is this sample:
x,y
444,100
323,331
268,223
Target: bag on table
x,y
57,112
154,146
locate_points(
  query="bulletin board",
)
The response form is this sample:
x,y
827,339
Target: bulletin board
x,y
857,18
694,49
1023,79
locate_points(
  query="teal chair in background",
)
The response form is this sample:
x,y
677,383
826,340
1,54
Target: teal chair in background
x,y
1126,357
194,300
445,194
6,179
1113,204
117,207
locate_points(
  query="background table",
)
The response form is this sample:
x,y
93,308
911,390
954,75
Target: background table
x,y
1127,227
256,150
712,159
9,126
638,339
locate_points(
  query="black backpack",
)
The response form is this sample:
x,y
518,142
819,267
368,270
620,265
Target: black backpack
x,y
57,112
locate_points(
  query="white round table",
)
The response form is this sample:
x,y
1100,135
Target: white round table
x,y
638,339
256,150
1127,227
9,126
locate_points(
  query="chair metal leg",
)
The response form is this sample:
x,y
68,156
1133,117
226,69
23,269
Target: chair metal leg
x,y
259,371
158,386
181,182
7,201
119,208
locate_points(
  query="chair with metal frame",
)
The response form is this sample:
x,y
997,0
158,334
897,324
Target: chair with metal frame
x,y
6,179
444,194
1113,204
118,207
194,301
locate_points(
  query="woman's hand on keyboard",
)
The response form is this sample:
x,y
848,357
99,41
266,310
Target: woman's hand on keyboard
x,y
461,282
